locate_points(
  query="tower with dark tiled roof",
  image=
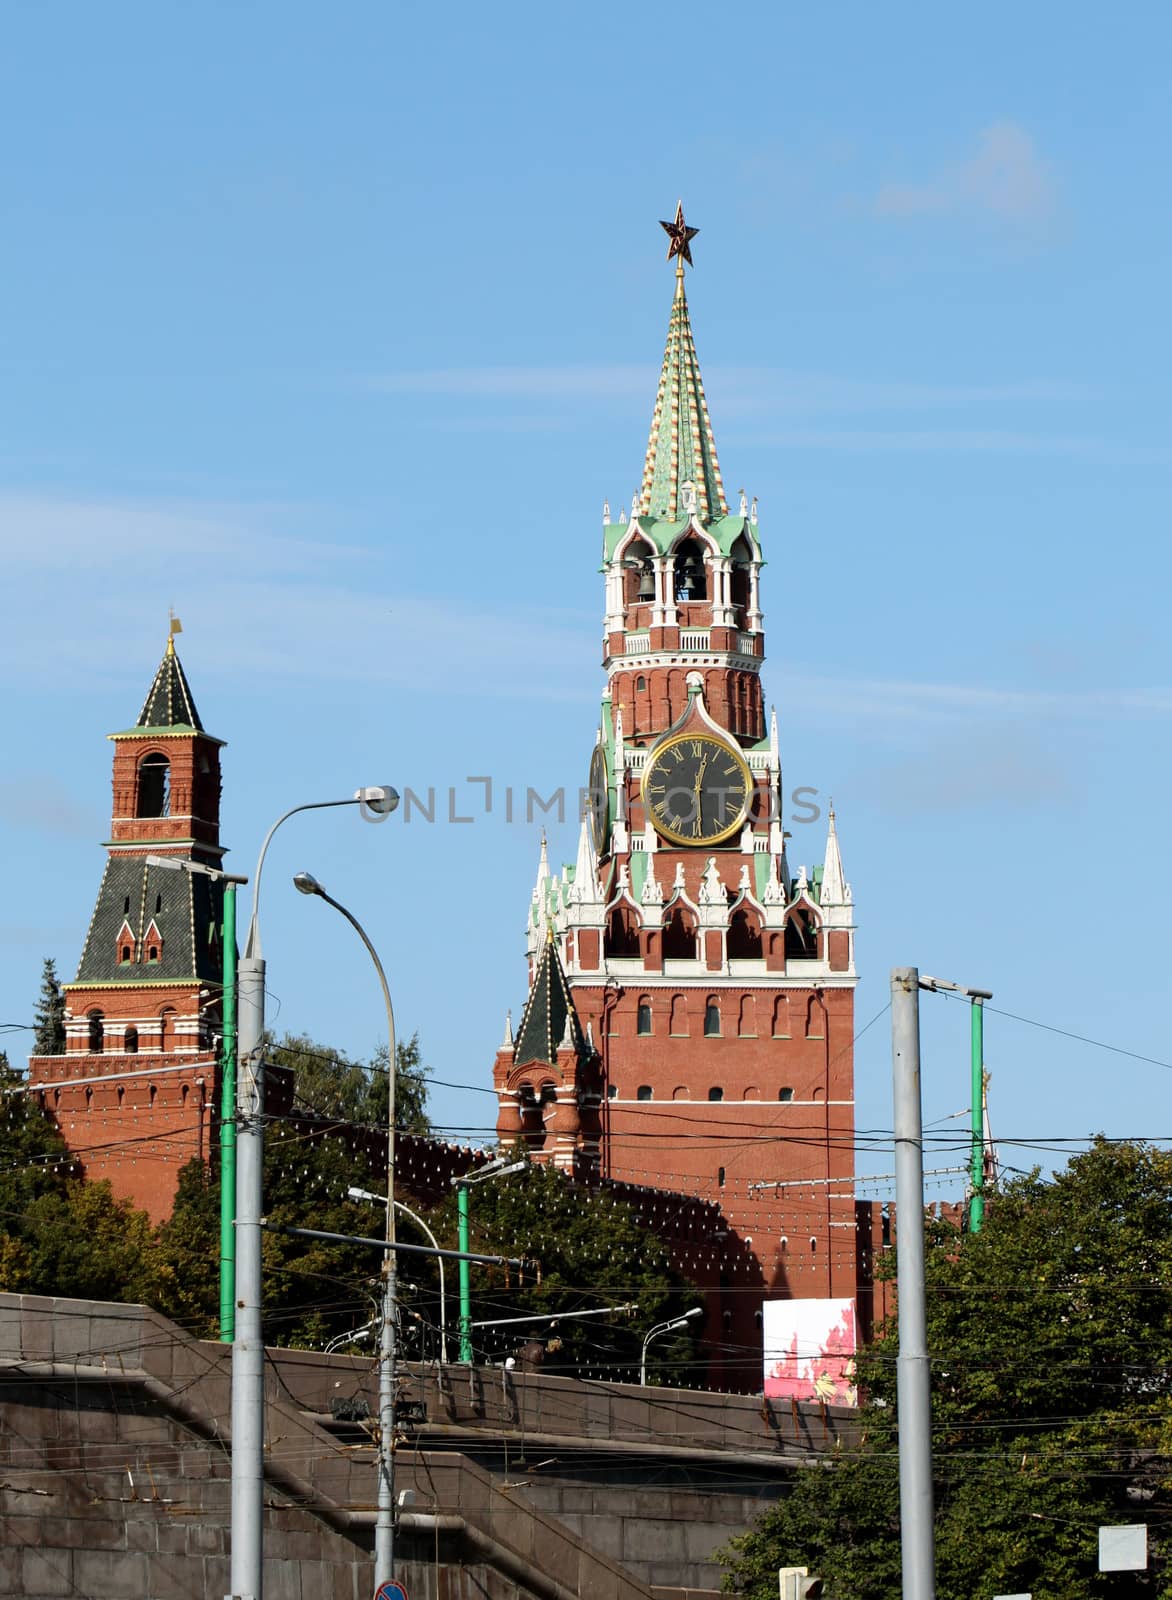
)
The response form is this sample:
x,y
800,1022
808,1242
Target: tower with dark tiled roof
x,y
134,1092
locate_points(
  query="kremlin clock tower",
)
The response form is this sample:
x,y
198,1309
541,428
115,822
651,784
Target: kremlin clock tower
x,y
690,1017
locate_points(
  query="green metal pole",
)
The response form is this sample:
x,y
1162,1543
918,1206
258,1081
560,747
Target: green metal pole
x,y
228,1125
465,1274
977,1174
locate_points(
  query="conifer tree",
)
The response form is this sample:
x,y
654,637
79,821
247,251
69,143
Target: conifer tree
x,y
49,1016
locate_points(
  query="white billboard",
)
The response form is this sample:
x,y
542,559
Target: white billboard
x,y
810,1350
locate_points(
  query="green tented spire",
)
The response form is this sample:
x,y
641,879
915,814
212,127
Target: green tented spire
x,y
681,449
169,703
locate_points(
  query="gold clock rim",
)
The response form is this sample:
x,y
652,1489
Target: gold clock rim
x,y
599,755
712,838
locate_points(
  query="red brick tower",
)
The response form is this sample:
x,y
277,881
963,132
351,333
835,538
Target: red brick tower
x,y
716,984
135,1091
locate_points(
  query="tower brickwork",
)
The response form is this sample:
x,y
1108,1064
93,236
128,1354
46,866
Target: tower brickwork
x,y
714,981
135,1091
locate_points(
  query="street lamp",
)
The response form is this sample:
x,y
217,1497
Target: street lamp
x,y
227,1081
384,1531
665,1327
248,1351
380,1200
495,1168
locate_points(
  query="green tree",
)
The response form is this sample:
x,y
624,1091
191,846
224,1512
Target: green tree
x,y
592,1253
1051,1345
49,1016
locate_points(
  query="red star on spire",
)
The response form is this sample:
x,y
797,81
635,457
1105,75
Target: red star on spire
x,y
681,236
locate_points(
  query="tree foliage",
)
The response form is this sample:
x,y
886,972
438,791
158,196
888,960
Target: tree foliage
x,y
1050,1338
49,1016
592,1253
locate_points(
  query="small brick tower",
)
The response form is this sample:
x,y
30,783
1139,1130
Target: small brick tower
x,y
135,1092
716,982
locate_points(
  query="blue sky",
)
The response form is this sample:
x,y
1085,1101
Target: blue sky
x,y
333,329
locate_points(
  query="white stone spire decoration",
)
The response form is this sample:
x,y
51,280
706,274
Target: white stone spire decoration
x,y
585,889
652,893
507,1042
834,886
606,513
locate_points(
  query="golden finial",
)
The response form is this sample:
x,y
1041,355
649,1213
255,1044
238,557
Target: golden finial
x,y
175,627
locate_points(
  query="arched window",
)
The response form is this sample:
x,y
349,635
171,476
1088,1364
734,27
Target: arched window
x,y
643,1092
640,682
167,1029
785,1094
152,952
691,582
715,1093
681,1092
711,1020
622,933
679,1017
154,786
720,1177
747,1018
643,1022
781,1028
742,558
97,1032
130,1041
744,937
126,954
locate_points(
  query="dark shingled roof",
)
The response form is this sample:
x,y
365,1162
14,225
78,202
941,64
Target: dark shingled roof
x,y
188,920
543,1024
169,703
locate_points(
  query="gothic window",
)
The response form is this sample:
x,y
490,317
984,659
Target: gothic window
x,y
711,1020
643,1024
744,937
715,1094
691,582
801,937
747,1019
679,1016
154,786
643,1092
130,1041
97,1032
622,933
781,1029
813,1018
679,937
785,1094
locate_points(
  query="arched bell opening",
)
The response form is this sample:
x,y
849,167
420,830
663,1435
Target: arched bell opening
x,y
679,936
690,576
744,936
154,786
638,573
622,933
801,936
740,583
97,1032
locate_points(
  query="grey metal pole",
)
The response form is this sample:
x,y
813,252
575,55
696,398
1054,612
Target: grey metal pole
x,y
913,1379
248,1351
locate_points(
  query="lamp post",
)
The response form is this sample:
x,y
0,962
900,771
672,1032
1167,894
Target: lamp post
x,y
384,1531
227,1083
248,1354
665,1327
495,1168
379,1200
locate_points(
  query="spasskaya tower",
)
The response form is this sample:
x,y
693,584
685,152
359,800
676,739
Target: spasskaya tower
x,y
690,1016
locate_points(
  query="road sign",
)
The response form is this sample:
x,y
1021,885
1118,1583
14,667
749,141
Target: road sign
x,y
391,1590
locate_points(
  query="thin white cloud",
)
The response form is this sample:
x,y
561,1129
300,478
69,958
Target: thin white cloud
x,y
1006,180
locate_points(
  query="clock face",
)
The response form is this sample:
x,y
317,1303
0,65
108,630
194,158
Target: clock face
x,y
598,801
697,789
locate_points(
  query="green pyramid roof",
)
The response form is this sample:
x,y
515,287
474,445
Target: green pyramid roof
x,y
681,448
543,1024
169,703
